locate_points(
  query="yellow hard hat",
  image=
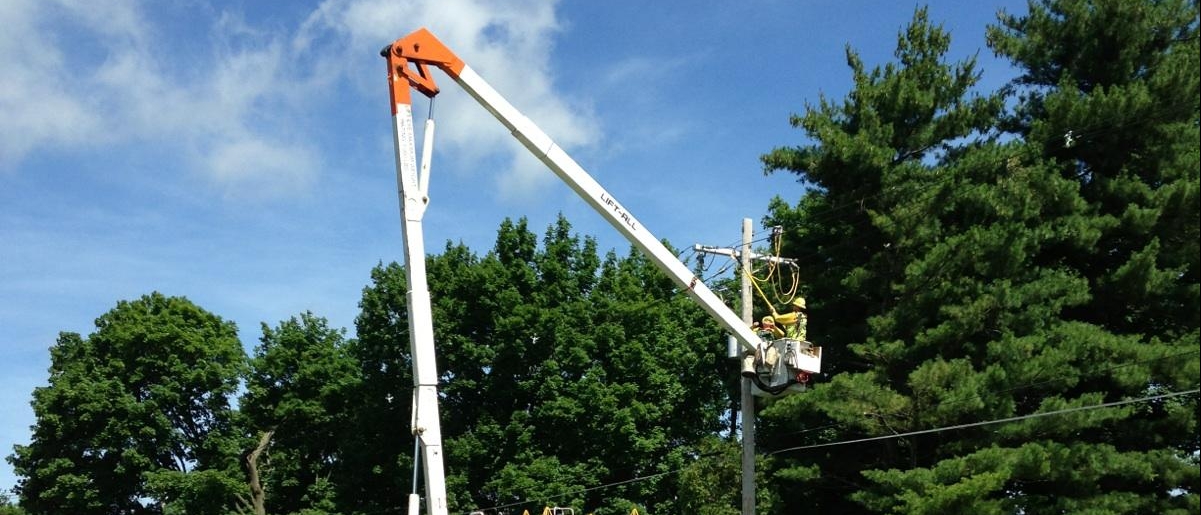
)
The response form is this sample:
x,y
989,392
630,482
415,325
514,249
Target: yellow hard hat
x,y
769,320
799,302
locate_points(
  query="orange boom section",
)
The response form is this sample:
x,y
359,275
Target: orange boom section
x,y
409,59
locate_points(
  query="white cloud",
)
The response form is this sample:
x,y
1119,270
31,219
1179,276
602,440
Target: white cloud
x,y
257,168
124,87
232,108
38,108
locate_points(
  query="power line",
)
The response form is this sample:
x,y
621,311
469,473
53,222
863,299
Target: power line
x,y
1097,128
878,438
990,422
1078,374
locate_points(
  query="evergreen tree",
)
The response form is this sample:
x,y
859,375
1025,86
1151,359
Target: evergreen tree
x,y
870,150
898,120
1109,94
975,272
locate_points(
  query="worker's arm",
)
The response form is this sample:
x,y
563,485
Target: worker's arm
x,y
786,319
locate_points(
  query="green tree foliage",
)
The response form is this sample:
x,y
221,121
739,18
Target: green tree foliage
x,y
710,485
299,386
1110,97
560,371
979,279
136,417
377,461
7,507
899,119
967,256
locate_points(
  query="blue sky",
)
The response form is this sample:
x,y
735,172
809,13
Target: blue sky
x,y
239,153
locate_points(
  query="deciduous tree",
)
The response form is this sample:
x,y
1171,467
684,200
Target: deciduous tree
x,y
136,417
299,389
559,371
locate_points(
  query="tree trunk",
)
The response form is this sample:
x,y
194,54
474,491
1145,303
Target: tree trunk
x,y
257,496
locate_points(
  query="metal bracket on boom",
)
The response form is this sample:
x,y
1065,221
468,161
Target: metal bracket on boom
x,y
421,49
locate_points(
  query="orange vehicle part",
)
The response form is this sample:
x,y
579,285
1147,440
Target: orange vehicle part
x,y
409,59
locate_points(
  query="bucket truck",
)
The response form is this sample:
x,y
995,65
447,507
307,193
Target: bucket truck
x,y
410,63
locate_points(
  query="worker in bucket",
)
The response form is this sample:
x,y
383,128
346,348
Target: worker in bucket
x,y
768,330
796,322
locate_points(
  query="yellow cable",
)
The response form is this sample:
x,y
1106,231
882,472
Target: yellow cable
x,y
761,294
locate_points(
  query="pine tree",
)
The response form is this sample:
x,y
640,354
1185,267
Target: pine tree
x,y
1110,94
875,167
975,271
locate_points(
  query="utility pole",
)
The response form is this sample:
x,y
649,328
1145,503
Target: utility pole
x,y
745,256
748,400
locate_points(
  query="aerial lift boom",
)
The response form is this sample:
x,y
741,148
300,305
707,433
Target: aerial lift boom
x,y
410,60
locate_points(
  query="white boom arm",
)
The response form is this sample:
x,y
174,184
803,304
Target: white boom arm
x,y
409,59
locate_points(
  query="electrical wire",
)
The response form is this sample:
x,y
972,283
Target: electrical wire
x,y
1089,373
990,422
774,276
781,296
877,438
725,268
732,262
860,202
